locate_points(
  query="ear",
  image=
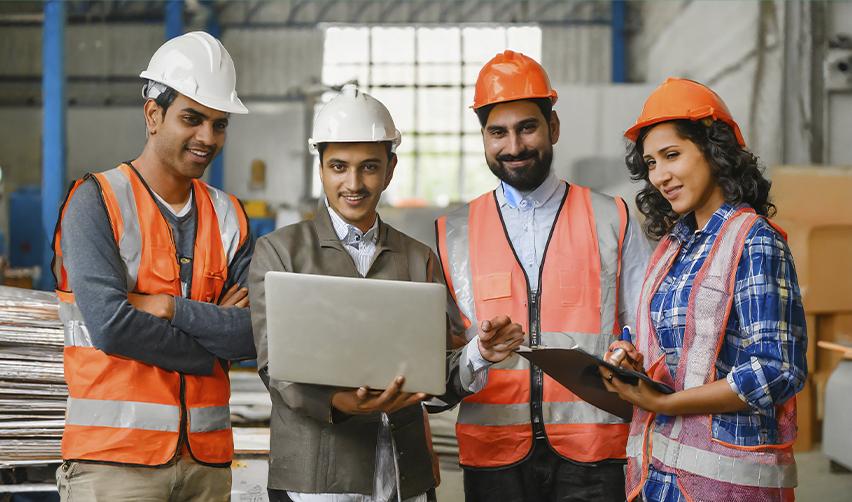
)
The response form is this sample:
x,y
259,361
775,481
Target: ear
x,y
391,168
153,116
554,127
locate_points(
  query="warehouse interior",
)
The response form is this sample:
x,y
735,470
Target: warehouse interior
x,y
70,104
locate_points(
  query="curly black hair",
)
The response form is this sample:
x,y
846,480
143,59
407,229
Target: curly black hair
x,y
737,171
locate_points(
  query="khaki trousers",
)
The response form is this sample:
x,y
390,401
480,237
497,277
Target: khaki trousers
x,y
182,480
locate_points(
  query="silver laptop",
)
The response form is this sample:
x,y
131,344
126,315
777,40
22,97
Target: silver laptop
x,y
351,332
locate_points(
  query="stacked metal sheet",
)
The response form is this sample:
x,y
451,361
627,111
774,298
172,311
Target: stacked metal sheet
x,y
32,386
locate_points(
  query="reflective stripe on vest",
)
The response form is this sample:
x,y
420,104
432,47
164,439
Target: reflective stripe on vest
x,y
575,412
123,414
117,404
210,418
578,308
743,471
685,445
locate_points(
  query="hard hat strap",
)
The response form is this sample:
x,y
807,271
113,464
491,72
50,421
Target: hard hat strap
x,y
162,94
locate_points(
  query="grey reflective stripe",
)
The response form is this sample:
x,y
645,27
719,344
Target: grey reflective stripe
x,y
743,471
593,343
711,301
634,449
122,414
229,222
608,228
210,418
645,343
77,334
576,412
634,445
572,412
69,312
493,414
458,256
75,330
130,244
677,426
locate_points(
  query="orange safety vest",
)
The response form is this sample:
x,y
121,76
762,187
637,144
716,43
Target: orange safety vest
x,y
707,469
125,411
576,305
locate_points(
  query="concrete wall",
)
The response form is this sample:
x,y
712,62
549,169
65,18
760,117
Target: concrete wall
x,y
736,48
766,61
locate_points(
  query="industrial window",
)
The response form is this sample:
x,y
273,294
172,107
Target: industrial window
x,y
425,75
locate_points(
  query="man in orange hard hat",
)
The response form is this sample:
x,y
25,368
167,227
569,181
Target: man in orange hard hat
x,y
563,261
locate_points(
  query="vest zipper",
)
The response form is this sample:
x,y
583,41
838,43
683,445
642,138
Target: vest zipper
x,y
534,314
536,375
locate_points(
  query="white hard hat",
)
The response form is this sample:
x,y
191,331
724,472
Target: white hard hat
x,y
199,67
353,117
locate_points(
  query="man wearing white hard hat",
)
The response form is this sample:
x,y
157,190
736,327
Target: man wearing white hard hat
x,y
150,266
324,439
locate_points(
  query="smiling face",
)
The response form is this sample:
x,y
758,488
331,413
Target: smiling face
x,y
679,170
354,175
519,143
187,137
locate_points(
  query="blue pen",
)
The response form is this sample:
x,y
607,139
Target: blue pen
x,y
619,354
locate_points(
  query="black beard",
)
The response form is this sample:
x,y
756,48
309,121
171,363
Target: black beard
x,y
523,180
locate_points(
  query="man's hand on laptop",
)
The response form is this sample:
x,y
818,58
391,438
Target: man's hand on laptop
x,y
499,337
364,400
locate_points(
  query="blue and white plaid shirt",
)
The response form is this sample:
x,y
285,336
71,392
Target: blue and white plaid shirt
x,y
763,355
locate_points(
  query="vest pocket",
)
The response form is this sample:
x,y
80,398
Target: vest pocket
x,y
495,286
164,264
571,294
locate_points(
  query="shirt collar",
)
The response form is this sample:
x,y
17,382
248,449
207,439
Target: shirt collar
x,y
514,198
178,214
685,226
350,234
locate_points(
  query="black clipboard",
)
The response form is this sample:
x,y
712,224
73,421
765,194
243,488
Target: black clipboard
x,y
577,370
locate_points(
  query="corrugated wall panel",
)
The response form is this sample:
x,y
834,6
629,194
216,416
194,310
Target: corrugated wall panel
x,y
274,62
577,54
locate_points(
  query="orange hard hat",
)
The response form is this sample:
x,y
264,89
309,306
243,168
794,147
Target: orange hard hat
x,y
510,76
680,98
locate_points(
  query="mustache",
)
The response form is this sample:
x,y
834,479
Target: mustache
x,y
525,155
359,193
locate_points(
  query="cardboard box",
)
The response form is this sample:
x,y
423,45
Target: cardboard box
x,y
815,209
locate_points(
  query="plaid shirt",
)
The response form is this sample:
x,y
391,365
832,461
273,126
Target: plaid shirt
x,y
763,354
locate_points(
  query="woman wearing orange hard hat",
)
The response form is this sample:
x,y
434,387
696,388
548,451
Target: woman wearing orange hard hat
x,y
720,316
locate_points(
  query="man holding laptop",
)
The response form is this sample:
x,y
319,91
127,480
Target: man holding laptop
x,y
325,439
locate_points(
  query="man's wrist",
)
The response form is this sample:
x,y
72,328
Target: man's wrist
x,y
477,357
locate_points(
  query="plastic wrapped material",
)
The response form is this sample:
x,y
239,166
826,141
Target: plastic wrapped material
x,y
32,385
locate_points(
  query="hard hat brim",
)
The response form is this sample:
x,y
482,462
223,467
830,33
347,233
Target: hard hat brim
x,y
551,95
235,106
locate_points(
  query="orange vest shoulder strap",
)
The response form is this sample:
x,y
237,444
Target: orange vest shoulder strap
x,y
56,266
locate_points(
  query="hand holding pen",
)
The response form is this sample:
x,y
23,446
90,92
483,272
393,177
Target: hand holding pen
x,y
623,352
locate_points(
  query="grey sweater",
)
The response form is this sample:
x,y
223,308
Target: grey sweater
x,y
199,332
